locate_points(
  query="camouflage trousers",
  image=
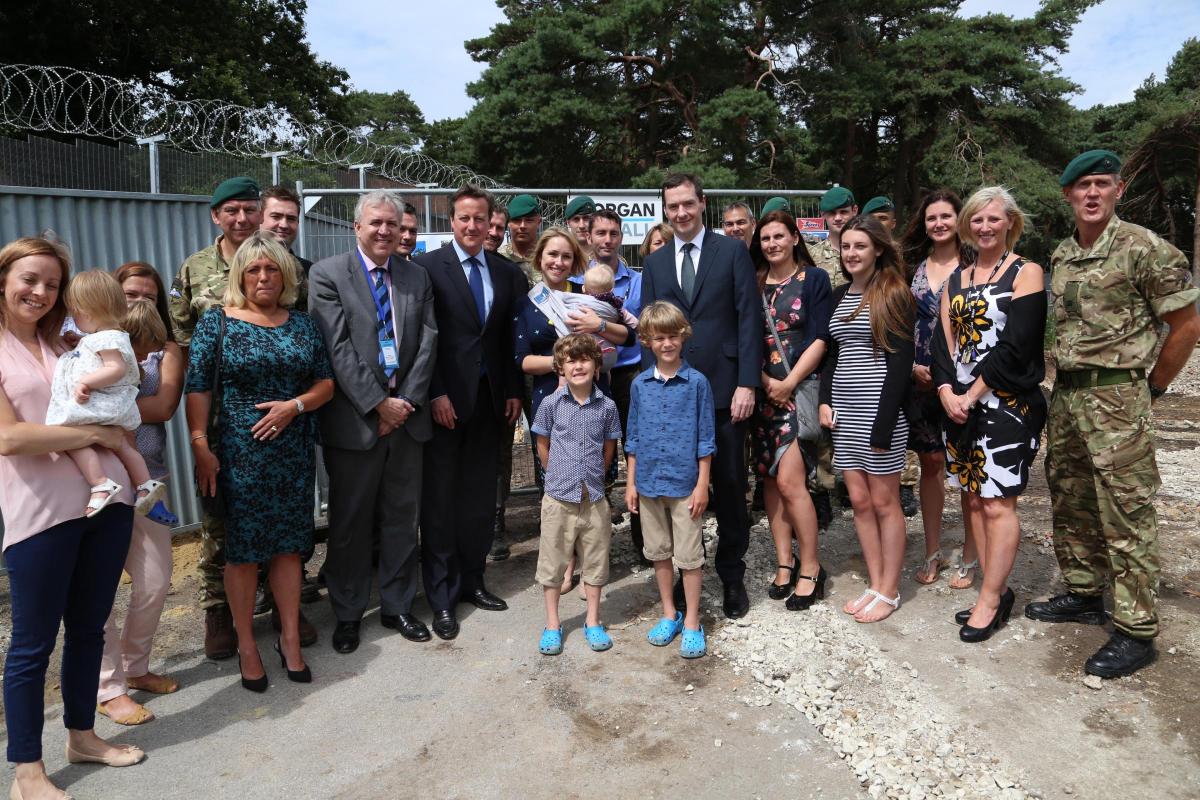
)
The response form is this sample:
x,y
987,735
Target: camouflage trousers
x,y
1103,477
911,474
826,478
212,563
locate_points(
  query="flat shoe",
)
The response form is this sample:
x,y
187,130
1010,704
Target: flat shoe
x,y
15,793
155,684
127,755
597,638
551,642
138,717
666,630
692,644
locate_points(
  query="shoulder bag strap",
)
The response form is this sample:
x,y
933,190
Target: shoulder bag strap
x,y
214,407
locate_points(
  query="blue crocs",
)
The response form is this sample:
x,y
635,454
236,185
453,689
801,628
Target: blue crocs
x,y
162,516
666,630
597,638
692,643
551,642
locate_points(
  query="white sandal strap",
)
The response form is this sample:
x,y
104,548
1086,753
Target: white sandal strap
x,y
876,597
962,568
936,556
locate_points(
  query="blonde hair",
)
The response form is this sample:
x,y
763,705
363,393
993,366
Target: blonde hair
x,y
599,279
578,265
50,325
983,197
664,319
97,294
145,327
662,229
261,245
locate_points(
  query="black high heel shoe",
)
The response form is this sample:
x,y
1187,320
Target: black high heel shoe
x,y
999,620
778,591
295,676
961,617
258,685
801,602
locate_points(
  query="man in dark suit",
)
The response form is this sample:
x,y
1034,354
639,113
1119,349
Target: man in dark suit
x,y
476,392
376,313
711,279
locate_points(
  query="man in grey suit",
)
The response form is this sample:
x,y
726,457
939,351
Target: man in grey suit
x,y
377,315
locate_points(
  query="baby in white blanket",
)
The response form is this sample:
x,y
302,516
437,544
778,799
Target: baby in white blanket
x,y
598,296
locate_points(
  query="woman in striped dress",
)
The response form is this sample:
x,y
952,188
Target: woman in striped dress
x,y
866,383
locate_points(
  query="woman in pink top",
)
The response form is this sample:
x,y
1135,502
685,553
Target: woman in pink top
x,y
63,568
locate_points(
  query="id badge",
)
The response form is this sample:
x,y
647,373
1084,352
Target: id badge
x,y
388,348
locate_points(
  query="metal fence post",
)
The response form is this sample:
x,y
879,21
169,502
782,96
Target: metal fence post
x,y
301,246
362,173
153,141
275,165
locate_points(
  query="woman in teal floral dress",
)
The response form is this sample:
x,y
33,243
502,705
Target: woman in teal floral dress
x,y
274,372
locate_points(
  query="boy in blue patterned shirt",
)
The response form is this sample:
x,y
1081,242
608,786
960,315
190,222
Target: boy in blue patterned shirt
x,y
670,440
577,428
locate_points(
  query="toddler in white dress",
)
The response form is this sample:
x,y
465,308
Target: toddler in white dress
x,y
97,384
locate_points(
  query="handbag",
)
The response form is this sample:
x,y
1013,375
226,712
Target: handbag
x,y
214,505
808,427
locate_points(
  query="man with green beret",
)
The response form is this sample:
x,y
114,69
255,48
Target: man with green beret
x,y
881,208
579,220
1113,285
524,220
198,286
837,207
775,204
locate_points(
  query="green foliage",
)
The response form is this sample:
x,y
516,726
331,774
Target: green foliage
x,y
387,119
249,52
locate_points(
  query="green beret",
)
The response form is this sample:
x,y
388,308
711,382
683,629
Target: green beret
x,y
775,204
879,203
835,198
1093,162
522,206
240,188
580,205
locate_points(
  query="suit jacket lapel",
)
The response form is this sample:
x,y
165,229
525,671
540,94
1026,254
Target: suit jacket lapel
x,y
500,292
707,254
362,293
674,279
399,271
454,267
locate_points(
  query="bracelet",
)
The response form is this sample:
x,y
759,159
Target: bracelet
x,y
201,436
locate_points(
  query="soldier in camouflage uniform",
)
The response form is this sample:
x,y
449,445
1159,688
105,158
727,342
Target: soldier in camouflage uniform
x,y
199,285
1113,285
524,220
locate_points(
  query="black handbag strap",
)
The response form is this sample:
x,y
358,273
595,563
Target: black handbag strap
x,y
214,405
787,364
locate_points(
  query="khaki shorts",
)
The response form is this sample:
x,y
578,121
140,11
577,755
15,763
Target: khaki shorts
x,y
568,528
668,531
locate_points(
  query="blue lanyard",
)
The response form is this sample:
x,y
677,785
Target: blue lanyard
x,y
371,283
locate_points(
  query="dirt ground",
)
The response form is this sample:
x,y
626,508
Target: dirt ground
x,y
1020,699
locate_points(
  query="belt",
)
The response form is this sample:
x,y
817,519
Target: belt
x,y
1106,376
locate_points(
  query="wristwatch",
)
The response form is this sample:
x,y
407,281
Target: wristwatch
x,y
299,405
603,325
1155,392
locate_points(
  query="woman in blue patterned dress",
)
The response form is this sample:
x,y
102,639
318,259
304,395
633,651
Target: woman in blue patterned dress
x,y
933,245
274,372
988,367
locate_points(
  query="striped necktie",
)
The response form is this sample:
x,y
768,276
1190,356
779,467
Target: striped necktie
x,y
383,309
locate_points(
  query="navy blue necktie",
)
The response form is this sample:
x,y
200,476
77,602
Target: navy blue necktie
x,y
384,311
477,289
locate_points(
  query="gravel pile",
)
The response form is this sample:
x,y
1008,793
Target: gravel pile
x,y
881,718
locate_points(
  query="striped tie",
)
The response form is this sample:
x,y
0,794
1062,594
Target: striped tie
x,y
384,311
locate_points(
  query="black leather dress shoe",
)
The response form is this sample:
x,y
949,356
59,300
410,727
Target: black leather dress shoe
x,y
345,637
482,599
678,596
309,591
737,602
1068,608
445,625
263,602
308,631
407,625
1122,655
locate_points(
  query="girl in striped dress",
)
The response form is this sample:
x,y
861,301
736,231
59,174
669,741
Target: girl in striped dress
x,y
866,382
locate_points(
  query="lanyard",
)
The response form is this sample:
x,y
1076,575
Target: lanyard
x,y
371,285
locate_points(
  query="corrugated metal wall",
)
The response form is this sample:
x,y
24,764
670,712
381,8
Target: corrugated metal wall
x,y
107,229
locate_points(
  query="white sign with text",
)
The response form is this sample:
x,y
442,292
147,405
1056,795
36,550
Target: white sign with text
x,y
638,213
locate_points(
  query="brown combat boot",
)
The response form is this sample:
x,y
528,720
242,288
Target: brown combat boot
x,y
220,642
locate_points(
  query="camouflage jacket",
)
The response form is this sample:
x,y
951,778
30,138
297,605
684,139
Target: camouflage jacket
x,y
526,264
1108,301
827,259
200,284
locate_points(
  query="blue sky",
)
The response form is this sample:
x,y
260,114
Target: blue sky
x,y
417,45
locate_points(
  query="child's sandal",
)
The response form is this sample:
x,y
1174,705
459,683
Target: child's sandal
x,y
154,491
597,638
110,489
692,644
551,642
666,630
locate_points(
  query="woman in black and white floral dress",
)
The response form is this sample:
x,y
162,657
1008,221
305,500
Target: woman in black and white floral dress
x,y
988,364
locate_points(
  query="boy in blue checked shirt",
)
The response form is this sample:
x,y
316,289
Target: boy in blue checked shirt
x,y
670,440
577,429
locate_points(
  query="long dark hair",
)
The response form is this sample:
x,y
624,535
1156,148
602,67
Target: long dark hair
x,y
915,242
800,252
887,295
140,269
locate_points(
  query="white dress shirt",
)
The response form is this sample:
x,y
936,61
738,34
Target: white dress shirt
x,y
488,293
696,242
